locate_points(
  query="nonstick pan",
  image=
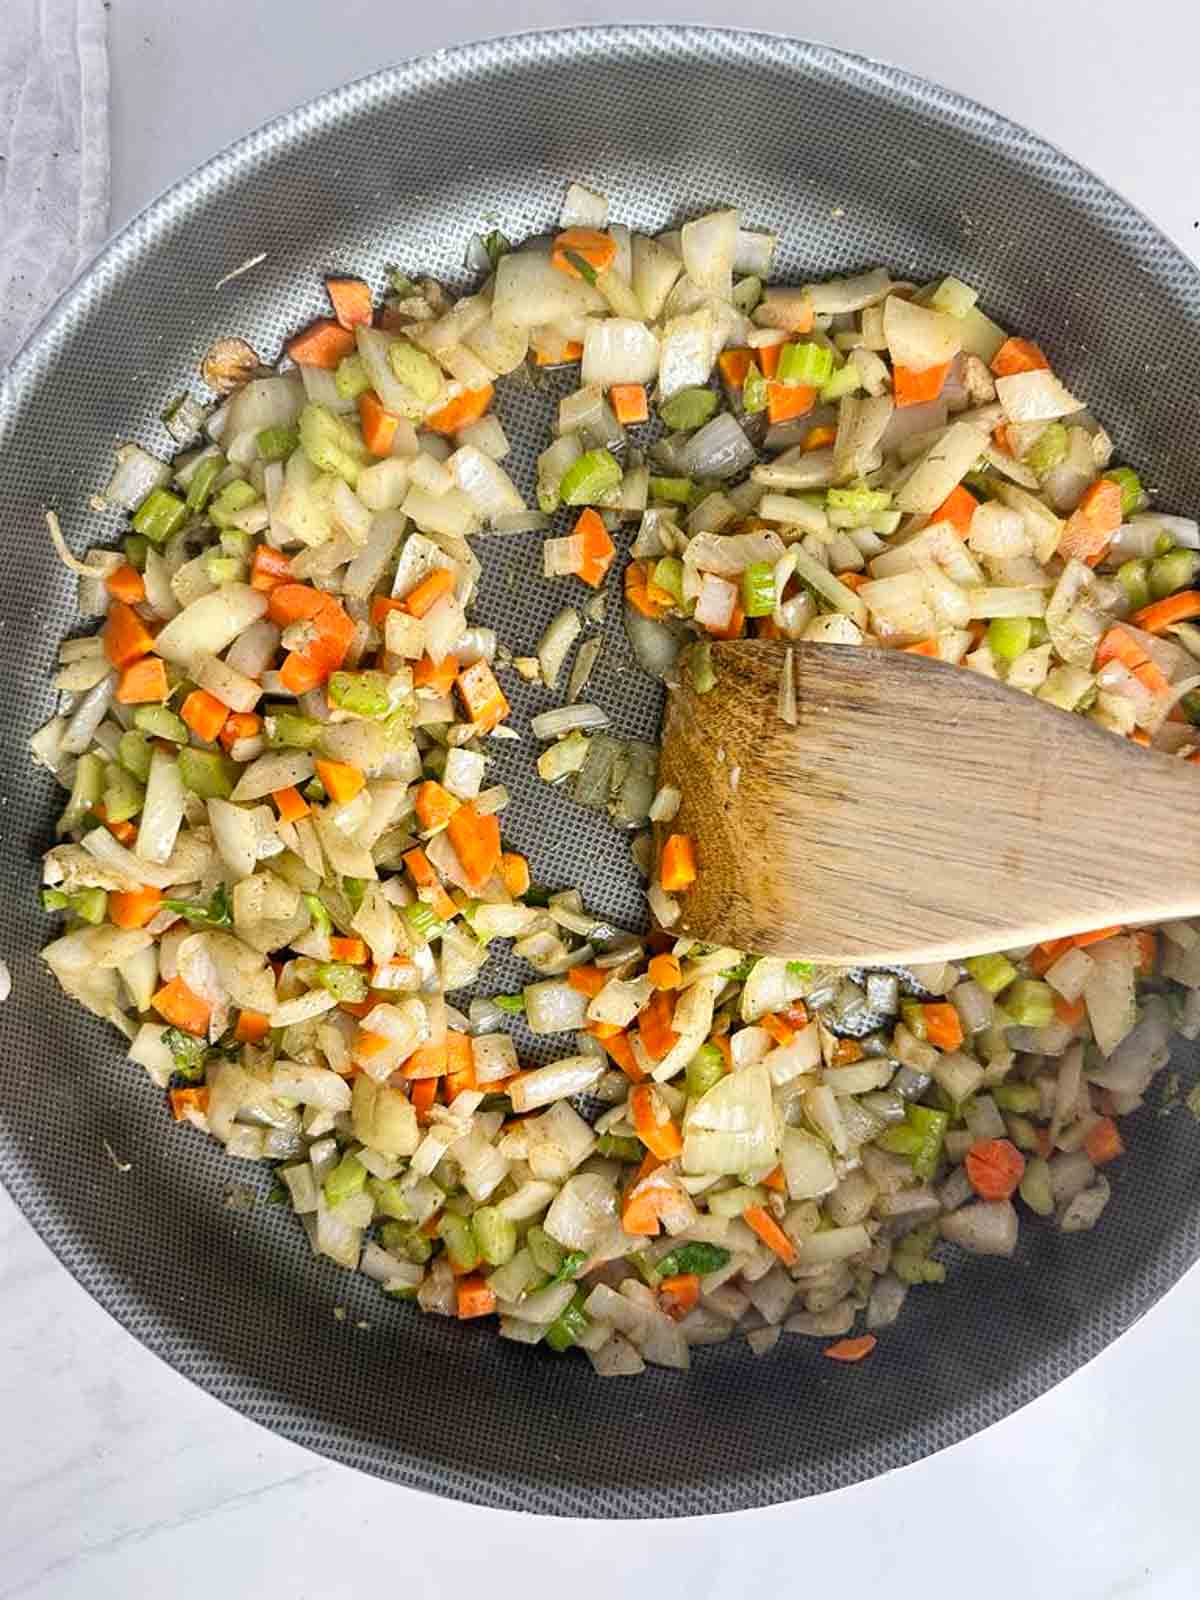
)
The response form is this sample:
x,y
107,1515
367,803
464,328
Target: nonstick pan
x,y
854,164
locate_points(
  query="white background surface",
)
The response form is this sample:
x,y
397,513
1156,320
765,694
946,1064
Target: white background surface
x,y
117,1478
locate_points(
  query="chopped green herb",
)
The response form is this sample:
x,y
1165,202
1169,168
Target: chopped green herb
x,y
216,913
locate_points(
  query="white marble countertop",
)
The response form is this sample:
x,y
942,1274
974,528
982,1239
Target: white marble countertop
x,y
119,1478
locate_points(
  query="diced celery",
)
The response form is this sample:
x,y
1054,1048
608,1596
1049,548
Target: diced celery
x,y
513,1004
277,444
732,1202
1038,632
755,390
618,1148
758,589
347,1178
226,504
289,730
123,794
495,245
700,667
422,921
56,900
931,1129
160,723
571,1323
668,576
89,905
220,568
1134,578
859,499
1172,572
845,381
236,542
696,1256
1049,449
590,477
321,919
678,491
331,444
706,1068
354,889
910,1259
135,546
390,1201
993,973
365,694
415,370
805,363
912,1014
1029,1003
1023,1098
457,1235
1132,493
1008,637
495,1234
342,980
201,486
133,752
351,377
688,409
204,772
747,292
160,515
546,1252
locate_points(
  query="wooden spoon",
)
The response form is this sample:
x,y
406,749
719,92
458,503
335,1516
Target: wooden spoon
x,y
917,812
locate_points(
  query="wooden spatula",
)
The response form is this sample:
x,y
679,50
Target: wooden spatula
x,y
917,812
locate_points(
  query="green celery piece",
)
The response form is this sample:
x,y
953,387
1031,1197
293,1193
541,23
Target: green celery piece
x,y
220,568
213,913
688,409
135,546
845,381
160,515
365,694
930,1127
590,477
704,1070
547,1253
331,444
85,792
732,1202
495,1235
321,920
678,491
204,772
351,377
354,889
569,1266
403,286
1190,706
900,1140
277,444
342,980
755,391
743,969
236,542
910,1260
390,1201
700,667
314,789
416,371
805,363
617,1148
1130,485
800,969
514,1004
1172,572
203,479
1029,1003
187,1052
1038,632
1134,578
458,1236
1023,1098
758,589
89,905
133,752
1008,637
228,502
348,1178
496,245
697,1256
1021,1131
912,1014
860,499
1048,451
747,292
56,900
124,796
571,1322
668,576
289,730
993,973
1164,544
422,921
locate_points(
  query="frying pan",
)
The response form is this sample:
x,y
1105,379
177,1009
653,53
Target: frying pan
x,y
854,164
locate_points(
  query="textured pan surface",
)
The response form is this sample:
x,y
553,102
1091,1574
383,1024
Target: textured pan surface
x,y
855,164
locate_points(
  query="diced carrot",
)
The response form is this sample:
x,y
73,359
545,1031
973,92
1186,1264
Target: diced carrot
x,y
679,1295
295,602
437,679
1072,1012
127,584
846,1052
143,681
653,1123
474,1297
126,636
185,1100
1044,957
1002,439
322,344
429,591
1096,935
734,365
572,350
423,1095
1146,941
1162,614
460,412
959,506
300,673
204,714
767,628
332,632
995,1167
482,697
341,780
598,548
654,1025
943,1028
1103,1142
269,569
476,842
1091,525
420,868
1118,644
677,868
776,1181
181,1006
433,804
767,356
913,387
290,804
428,1061
817,438
240,725
851,1349
514,873
460,1058
1018,355
349,949
734,628
617,1046
124,832
771,1234
636,581
598,250
587,979
1150,677
133,908
923,647
720,1038
378,424
252,1027
351,301
852,580
628,401
665,972
785,401
780,1028
640,1210
381,606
